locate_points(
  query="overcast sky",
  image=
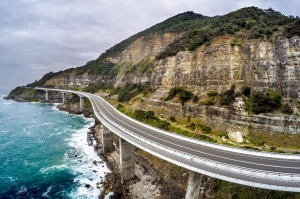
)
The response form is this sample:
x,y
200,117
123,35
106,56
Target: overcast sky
x,y
38,36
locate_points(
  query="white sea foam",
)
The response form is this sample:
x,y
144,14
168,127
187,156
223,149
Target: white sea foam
x,y
34,102
54,107
45,194
89,173
108,195
13,179
53,168
22,190
32,164
6,102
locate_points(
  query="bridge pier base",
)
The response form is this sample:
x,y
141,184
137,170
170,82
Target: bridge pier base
x,y
81,103
107,139
47,98
63,98
126,160
193,186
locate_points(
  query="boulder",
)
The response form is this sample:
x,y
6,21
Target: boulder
x,y
236,136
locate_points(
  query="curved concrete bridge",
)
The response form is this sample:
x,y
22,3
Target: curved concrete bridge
x,y
258,169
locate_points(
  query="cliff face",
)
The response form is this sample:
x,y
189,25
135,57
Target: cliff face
x,y
72,80
249,47
143,48
255,63
222,118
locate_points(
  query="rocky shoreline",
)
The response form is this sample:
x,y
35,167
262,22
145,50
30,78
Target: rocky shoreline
x,y
146,184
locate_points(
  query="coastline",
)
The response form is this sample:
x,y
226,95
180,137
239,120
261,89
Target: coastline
x,y
150,181
147,182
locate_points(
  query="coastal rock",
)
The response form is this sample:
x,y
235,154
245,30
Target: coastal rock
x,y
236,136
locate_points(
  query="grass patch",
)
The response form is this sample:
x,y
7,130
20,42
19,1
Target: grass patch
x,y
203,128
276,140
149,117
95,87
228,190
128,91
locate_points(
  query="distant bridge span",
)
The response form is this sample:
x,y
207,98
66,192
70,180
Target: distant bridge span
x,y
258,169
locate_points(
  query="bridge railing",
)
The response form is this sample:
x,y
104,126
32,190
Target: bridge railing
x,y
213,145
201,165
191,159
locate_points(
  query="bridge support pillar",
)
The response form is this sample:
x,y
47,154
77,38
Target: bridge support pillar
x,y
81,103
193,186
47,96
107,139
63,97
126,160
97,121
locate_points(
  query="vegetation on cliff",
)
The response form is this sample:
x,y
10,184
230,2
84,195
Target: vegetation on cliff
x,y
260,23
183,94
43,80
21,93
180,23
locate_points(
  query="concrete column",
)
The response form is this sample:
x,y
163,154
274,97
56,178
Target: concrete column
x,y
193,186
97,121
81,103
47,95
63,97
126,160
107,139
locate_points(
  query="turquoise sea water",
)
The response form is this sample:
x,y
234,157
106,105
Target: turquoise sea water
x,y
44,153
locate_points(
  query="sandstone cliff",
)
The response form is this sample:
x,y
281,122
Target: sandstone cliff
x,y
260,49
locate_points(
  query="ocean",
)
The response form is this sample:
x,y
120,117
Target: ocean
x,y
44,153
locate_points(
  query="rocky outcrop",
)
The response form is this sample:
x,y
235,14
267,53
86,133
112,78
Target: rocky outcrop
x,y
72,80
222,118
236,136
256,63
145,47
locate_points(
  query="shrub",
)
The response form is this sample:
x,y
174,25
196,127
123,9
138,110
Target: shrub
x,y
195,98
287,109
172,119
246,90
205,129
144,115
94,87
150,118
183,94
121,108
129,91
262,102
212,93
227,97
